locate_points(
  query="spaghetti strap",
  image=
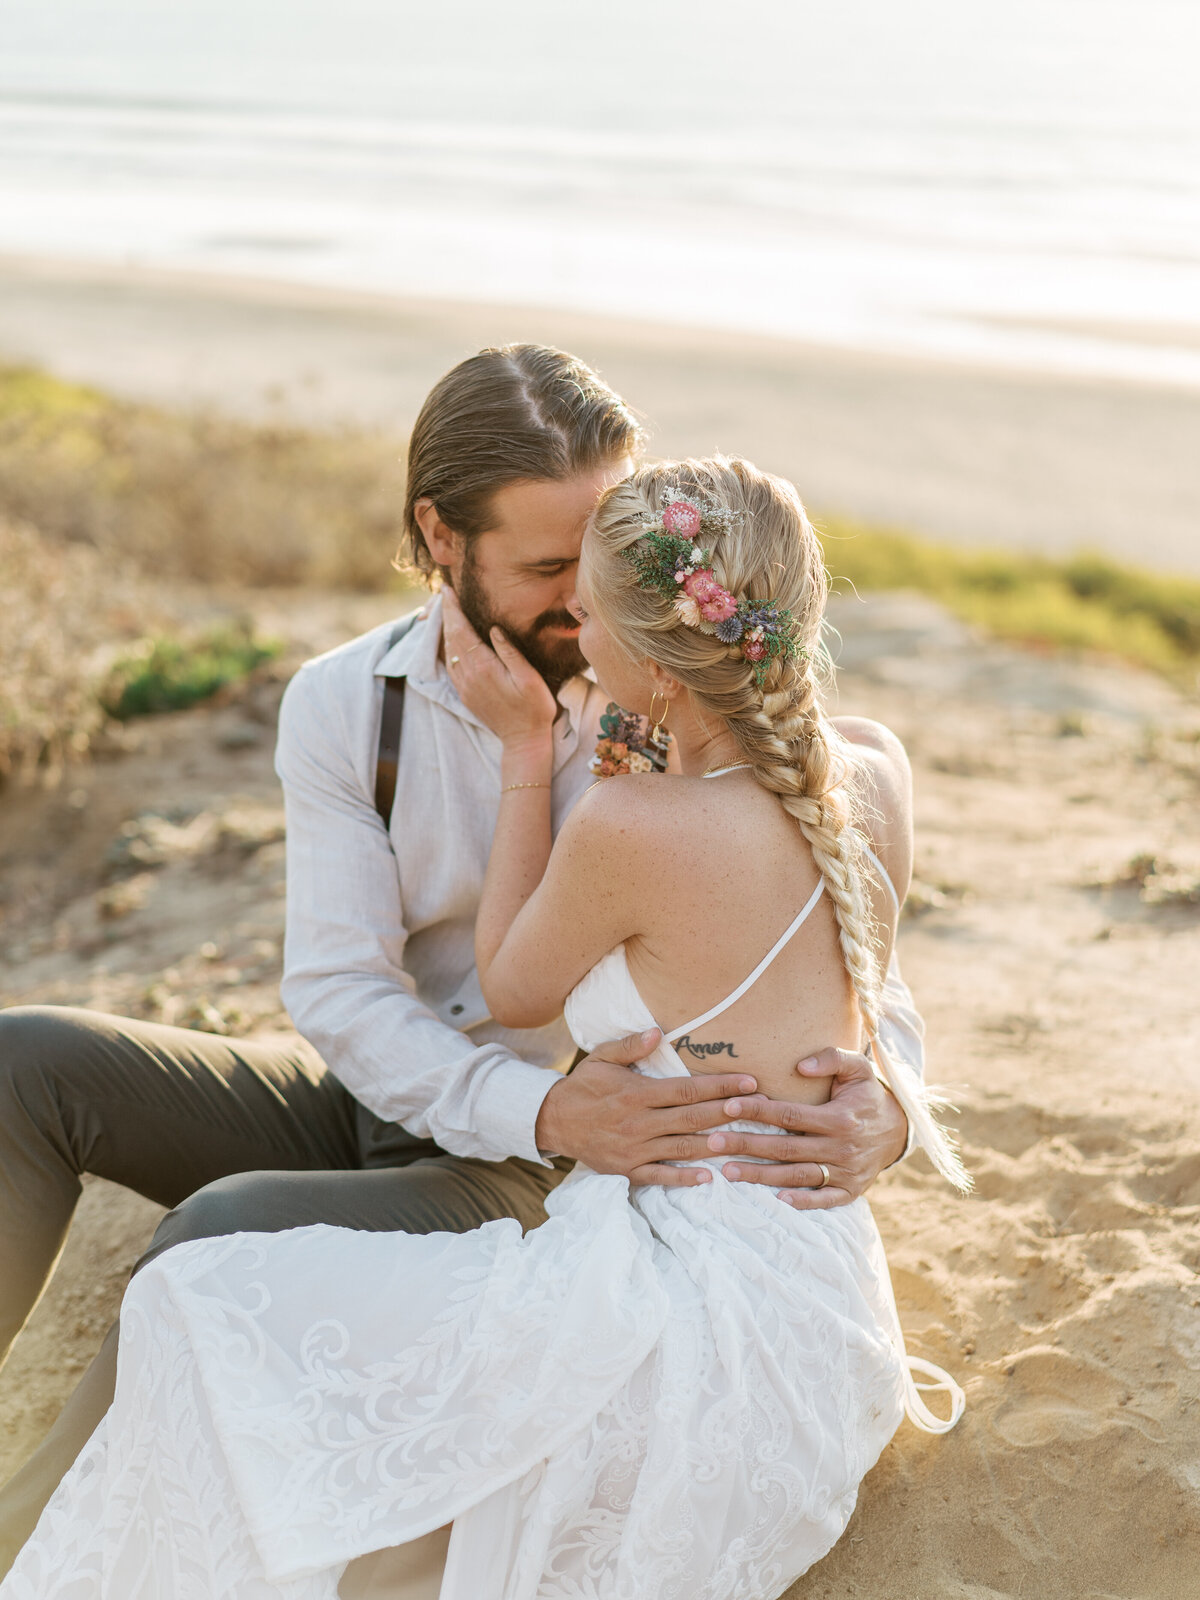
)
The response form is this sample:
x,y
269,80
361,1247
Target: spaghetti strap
x,y
698,1022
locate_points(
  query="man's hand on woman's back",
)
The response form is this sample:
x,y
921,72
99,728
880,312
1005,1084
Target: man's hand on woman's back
x,y
605,1114
857,1133
615,1120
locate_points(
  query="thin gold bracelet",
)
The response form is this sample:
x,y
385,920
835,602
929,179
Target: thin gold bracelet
x,y
509,786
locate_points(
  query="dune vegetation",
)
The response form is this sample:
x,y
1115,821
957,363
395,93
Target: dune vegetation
x,y
1084,603
110,508
116,516
194,495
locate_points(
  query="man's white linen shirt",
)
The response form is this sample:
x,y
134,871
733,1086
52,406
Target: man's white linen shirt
x,y
379,960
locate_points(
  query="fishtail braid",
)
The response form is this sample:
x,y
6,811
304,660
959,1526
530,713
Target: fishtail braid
x,y
796,754
792,749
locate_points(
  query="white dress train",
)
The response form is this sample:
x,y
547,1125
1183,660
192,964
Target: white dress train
x,y
659,1394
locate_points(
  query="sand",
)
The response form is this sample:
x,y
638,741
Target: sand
x,y
1056,971
970,454
1063,1293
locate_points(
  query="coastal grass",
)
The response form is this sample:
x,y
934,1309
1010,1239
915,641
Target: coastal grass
x,y
1082,603
108,506
199,496
87,642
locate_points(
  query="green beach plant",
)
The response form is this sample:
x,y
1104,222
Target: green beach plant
x,y
170,673
1085,602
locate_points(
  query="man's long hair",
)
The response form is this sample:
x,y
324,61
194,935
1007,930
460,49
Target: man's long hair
x,y
507,415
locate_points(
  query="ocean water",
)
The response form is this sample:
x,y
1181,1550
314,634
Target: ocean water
x,y
1015,183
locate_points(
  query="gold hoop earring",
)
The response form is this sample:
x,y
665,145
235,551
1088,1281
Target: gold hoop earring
x,y
661,718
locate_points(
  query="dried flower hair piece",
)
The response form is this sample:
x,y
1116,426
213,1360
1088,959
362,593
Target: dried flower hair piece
x,y
626,746
671,560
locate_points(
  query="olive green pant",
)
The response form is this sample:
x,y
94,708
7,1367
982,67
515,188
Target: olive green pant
x,y
233,1136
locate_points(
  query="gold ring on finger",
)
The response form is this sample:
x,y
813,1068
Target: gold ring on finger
x,y
824,1176
454,660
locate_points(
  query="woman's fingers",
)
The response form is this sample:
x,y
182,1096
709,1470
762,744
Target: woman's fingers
x,y
466,654
525,677
492,677
457,633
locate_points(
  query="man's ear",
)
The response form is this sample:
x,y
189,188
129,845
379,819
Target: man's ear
x,y
444,545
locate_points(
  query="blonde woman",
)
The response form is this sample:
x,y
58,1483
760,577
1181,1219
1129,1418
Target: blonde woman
x,y
662,1392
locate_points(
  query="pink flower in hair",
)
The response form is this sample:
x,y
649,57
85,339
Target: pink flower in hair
x,y
689,611
715,602
681,519
719,606
701,585
754,649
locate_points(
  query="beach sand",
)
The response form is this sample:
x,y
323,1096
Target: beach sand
x,y
973,455
1060,1003
1055,968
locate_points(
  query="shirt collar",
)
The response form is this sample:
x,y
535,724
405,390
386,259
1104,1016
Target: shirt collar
x,y
415,656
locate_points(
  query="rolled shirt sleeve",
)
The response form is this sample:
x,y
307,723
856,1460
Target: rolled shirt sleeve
x,y
344,982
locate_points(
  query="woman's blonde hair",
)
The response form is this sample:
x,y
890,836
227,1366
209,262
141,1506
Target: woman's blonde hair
x,y
768,552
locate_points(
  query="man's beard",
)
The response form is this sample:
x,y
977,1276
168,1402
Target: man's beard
x,y
557,659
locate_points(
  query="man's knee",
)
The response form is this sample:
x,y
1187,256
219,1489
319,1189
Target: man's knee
x,y
245,1202
32,1039
35,1041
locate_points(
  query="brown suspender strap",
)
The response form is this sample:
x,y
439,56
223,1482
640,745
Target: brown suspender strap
x,y
387,759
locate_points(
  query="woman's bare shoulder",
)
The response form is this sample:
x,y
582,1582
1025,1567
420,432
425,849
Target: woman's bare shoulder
x,y
634,804
637,819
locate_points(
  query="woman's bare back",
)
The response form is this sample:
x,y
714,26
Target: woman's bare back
x,y
737,871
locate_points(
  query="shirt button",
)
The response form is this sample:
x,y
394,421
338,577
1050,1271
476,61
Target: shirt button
x,y
457,1011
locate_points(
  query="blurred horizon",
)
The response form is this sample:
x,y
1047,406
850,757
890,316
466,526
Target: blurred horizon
x,y
1017,186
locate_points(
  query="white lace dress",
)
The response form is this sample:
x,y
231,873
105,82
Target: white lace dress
x,y
660,1394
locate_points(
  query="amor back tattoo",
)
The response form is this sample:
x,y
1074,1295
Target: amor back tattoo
x,y
715,1047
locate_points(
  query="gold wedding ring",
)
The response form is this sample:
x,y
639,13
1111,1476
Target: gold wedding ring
x,y
824,1176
